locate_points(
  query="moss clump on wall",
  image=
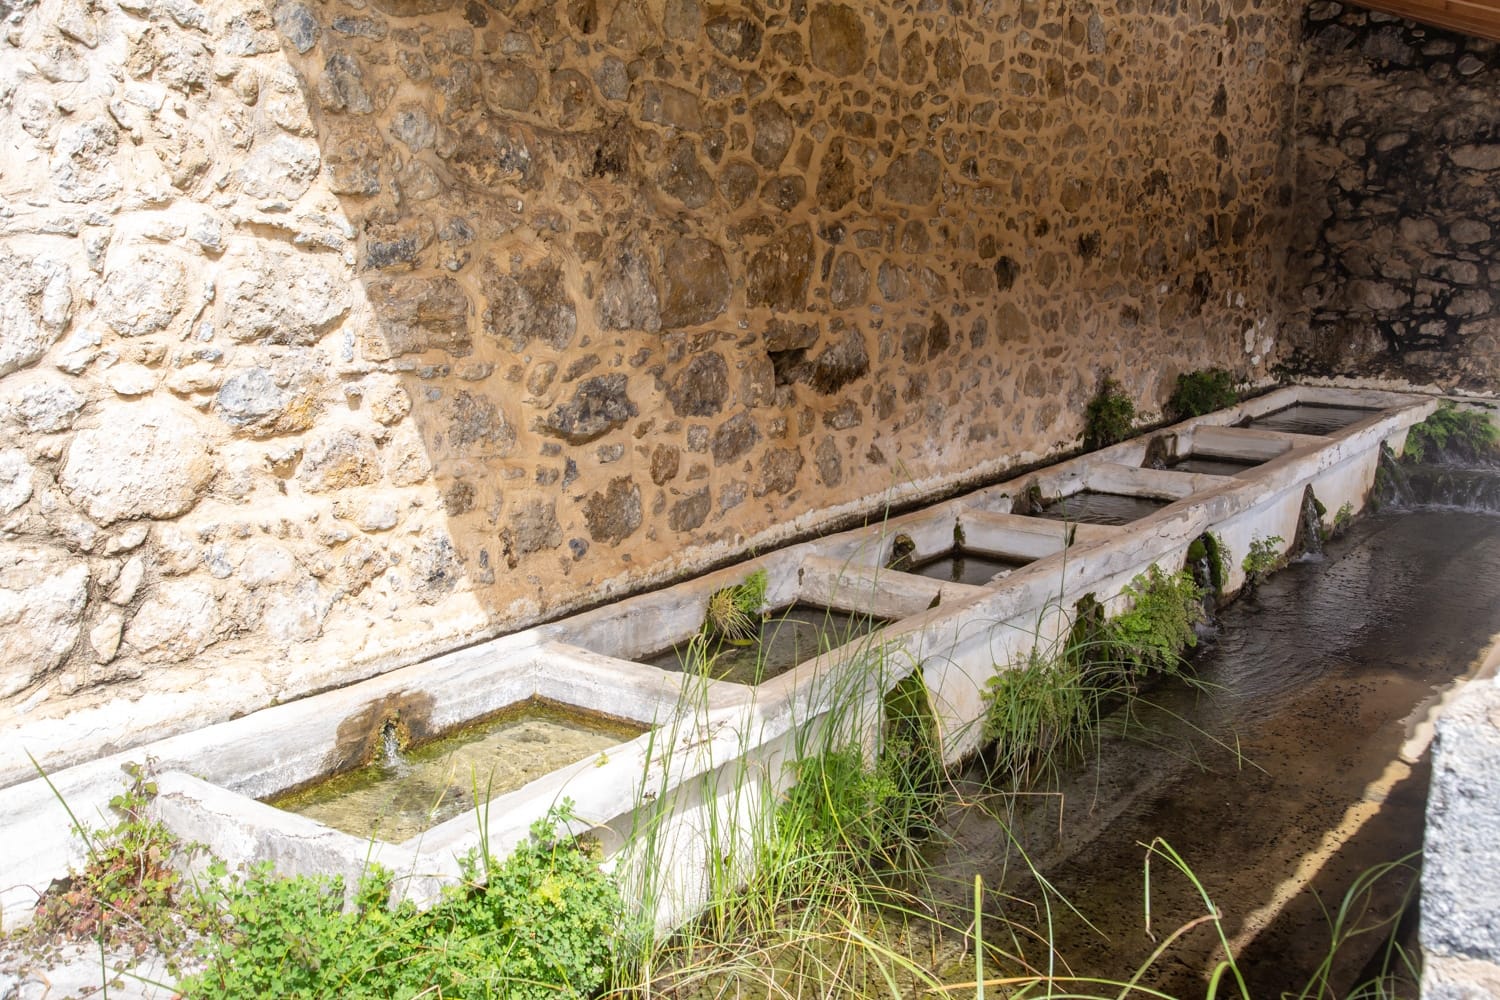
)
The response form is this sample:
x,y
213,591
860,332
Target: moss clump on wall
x,y
1110,416
1202,391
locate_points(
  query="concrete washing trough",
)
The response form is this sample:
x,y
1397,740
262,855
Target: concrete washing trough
x,y
715,754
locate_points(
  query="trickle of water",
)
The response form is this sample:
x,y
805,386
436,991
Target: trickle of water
x,y
1392,487
390,747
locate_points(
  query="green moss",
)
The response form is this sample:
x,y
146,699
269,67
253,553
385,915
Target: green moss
x,y
1202,391
1110,416
1453,433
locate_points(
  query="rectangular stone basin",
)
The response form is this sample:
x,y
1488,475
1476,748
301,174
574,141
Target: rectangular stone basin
x,y
406,791
783,639
1211,465
1310,418
1089,507
963,565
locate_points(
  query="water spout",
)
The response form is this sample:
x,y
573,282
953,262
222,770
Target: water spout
x,y
390,746
1392,485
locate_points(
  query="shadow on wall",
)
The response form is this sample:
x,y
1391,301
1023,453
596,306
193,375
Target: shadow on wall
x,y
658,280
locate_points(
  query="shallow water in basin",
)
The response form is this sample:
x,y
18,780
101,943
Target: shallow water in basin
x,y
1101,508
1306,418
782,640
1212,466
396,798
965,566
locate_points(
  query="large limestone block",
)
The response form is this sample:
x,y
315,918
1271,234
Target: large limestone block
x,y
178,621
1461,863
143,459
143,293
43,593
280,298
36,302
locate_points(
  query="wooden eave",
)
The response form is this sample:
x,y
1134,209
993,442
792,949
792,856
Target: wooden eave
x,y
1480,18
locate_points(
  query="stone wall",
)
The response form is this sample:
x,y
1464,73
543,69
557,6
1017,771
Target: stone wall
x,y
337,333
1397,247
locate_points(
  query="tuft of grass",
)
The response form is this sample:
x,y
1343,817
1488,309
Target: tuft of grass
x,y
1110,416
130,893
1046,711
1038,715
732,611
1202,391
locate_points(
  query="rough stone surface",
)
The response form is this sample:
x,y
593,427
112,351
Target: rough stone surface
x,y
418,314
778,275
42,596
695,283
702,387
338,458
144,292
1394,250
177,622
1461,859
614,514
531,304
36,303
141,459
280,399
258,306
17,479
599,405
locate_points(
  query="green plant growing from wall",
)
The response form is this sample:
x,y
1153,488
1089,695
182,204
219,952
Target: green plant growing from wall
x,y
1342,519
1264,558
1154,633
1210,551
1039,715
130,892
1202,391
1454,433
1110,415
733,611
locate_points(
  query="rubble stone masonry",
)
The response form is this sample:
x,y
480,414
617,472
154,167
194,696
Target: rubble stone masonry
x,y
1397,242
334,333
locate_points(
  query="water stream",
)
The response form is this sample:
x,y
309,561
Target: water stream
x,y
1300,766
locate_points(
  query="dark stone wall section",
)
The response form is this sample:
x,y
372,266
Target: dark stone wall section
x,y
1397,246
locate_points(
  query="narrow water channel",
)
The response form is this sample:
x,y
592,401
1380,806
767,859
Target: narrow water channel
x,y
1302,765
